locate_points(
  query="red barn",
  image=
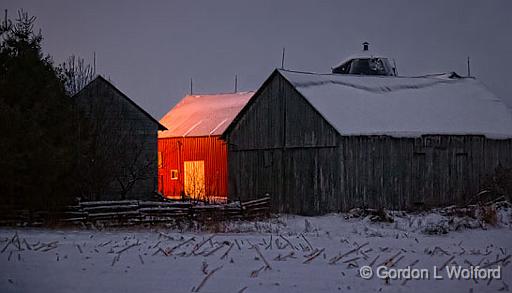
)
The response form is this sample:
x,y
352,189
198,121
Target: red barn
x,y
192,159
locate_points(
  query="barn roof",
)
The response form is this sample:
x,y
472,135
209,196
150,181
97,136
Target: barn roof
x,y
203,115
404,106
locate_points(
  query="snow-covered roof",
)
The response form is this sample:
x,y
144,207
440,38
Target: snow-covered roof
x,y
404,106
203,115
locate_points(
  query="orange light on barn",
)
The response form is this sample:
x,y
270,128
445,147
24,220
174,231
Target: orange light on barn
x,y
192,155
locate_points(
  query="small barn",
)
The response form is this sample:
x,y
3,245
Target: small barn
x,y
364,137
118,157
192,159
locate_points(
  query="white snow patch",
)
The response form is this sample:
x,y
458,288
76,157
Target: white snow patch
x,y
134,260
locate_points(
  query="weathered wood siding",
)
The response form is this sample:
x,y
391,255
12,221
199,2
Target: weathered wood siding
x,y
282,146
122,121
405,173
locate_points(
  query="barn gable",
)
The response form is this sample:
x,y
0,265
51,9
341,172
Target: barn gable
x,y
278,144
102,92
279,116
125,143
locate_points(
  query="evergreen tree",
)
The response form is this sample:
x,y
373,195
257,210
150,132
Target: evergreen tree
x,y
37,121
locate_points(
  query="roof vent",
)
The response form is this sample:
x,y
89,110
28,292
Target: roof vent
x,y
365,46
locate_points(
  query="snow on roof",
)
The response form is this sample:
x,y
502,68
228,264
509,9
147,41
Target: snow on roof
x,y
203,115
404,106
361,55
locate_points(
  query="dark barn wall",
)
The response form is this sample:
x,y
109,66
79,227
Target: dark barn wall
x,y
122,121
176,150
431,170
282,146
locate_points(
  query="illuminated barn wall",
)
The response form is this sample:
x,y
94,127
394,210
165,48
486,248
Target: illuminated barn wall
x,y
176,151
192,157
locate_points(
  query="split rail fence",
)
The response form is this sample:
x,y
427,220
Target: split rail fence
x,y
132,212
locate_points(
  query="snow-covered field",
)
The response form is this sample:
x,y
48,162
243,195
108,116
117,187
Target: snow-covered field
x,y
289,254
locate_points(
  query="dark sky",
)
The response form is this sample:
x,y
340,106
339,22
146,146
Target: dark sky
x,y
151,49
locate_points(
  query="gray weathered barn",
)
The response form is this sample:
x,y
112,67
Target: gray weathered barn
x,y
121,139
329,142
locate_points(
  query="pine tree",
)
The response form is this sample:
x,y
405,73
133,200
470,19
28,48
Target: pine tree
x,y
37,121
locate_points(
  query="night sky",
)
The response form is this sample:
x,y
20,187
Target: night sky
x,y
151,49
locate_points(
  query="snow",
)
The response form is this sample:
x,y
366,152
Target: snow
x,y
362,55
203,115
132,260
404,106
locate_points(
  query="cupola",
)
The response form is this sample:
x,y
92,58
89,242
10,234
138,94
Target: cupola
x,y
366,62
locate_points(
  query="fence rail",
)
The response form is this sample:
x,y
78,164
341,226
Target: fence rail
x,y
132,212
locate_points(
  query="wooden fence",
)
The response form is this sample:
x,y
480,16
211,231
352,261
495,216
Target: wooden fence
x,y
133,212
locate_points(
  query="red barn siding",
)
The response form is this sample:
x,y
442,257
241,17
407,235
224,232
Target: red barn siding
x,y
176,150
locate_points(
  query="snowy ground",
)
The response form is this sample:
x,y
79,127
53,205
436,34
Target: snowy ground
x,y
289,254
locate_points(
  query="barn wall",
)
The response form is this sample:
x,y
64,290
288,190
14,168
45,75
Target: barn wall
x,y
283,147
431,170
176,150
118,120
398,173
298,180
